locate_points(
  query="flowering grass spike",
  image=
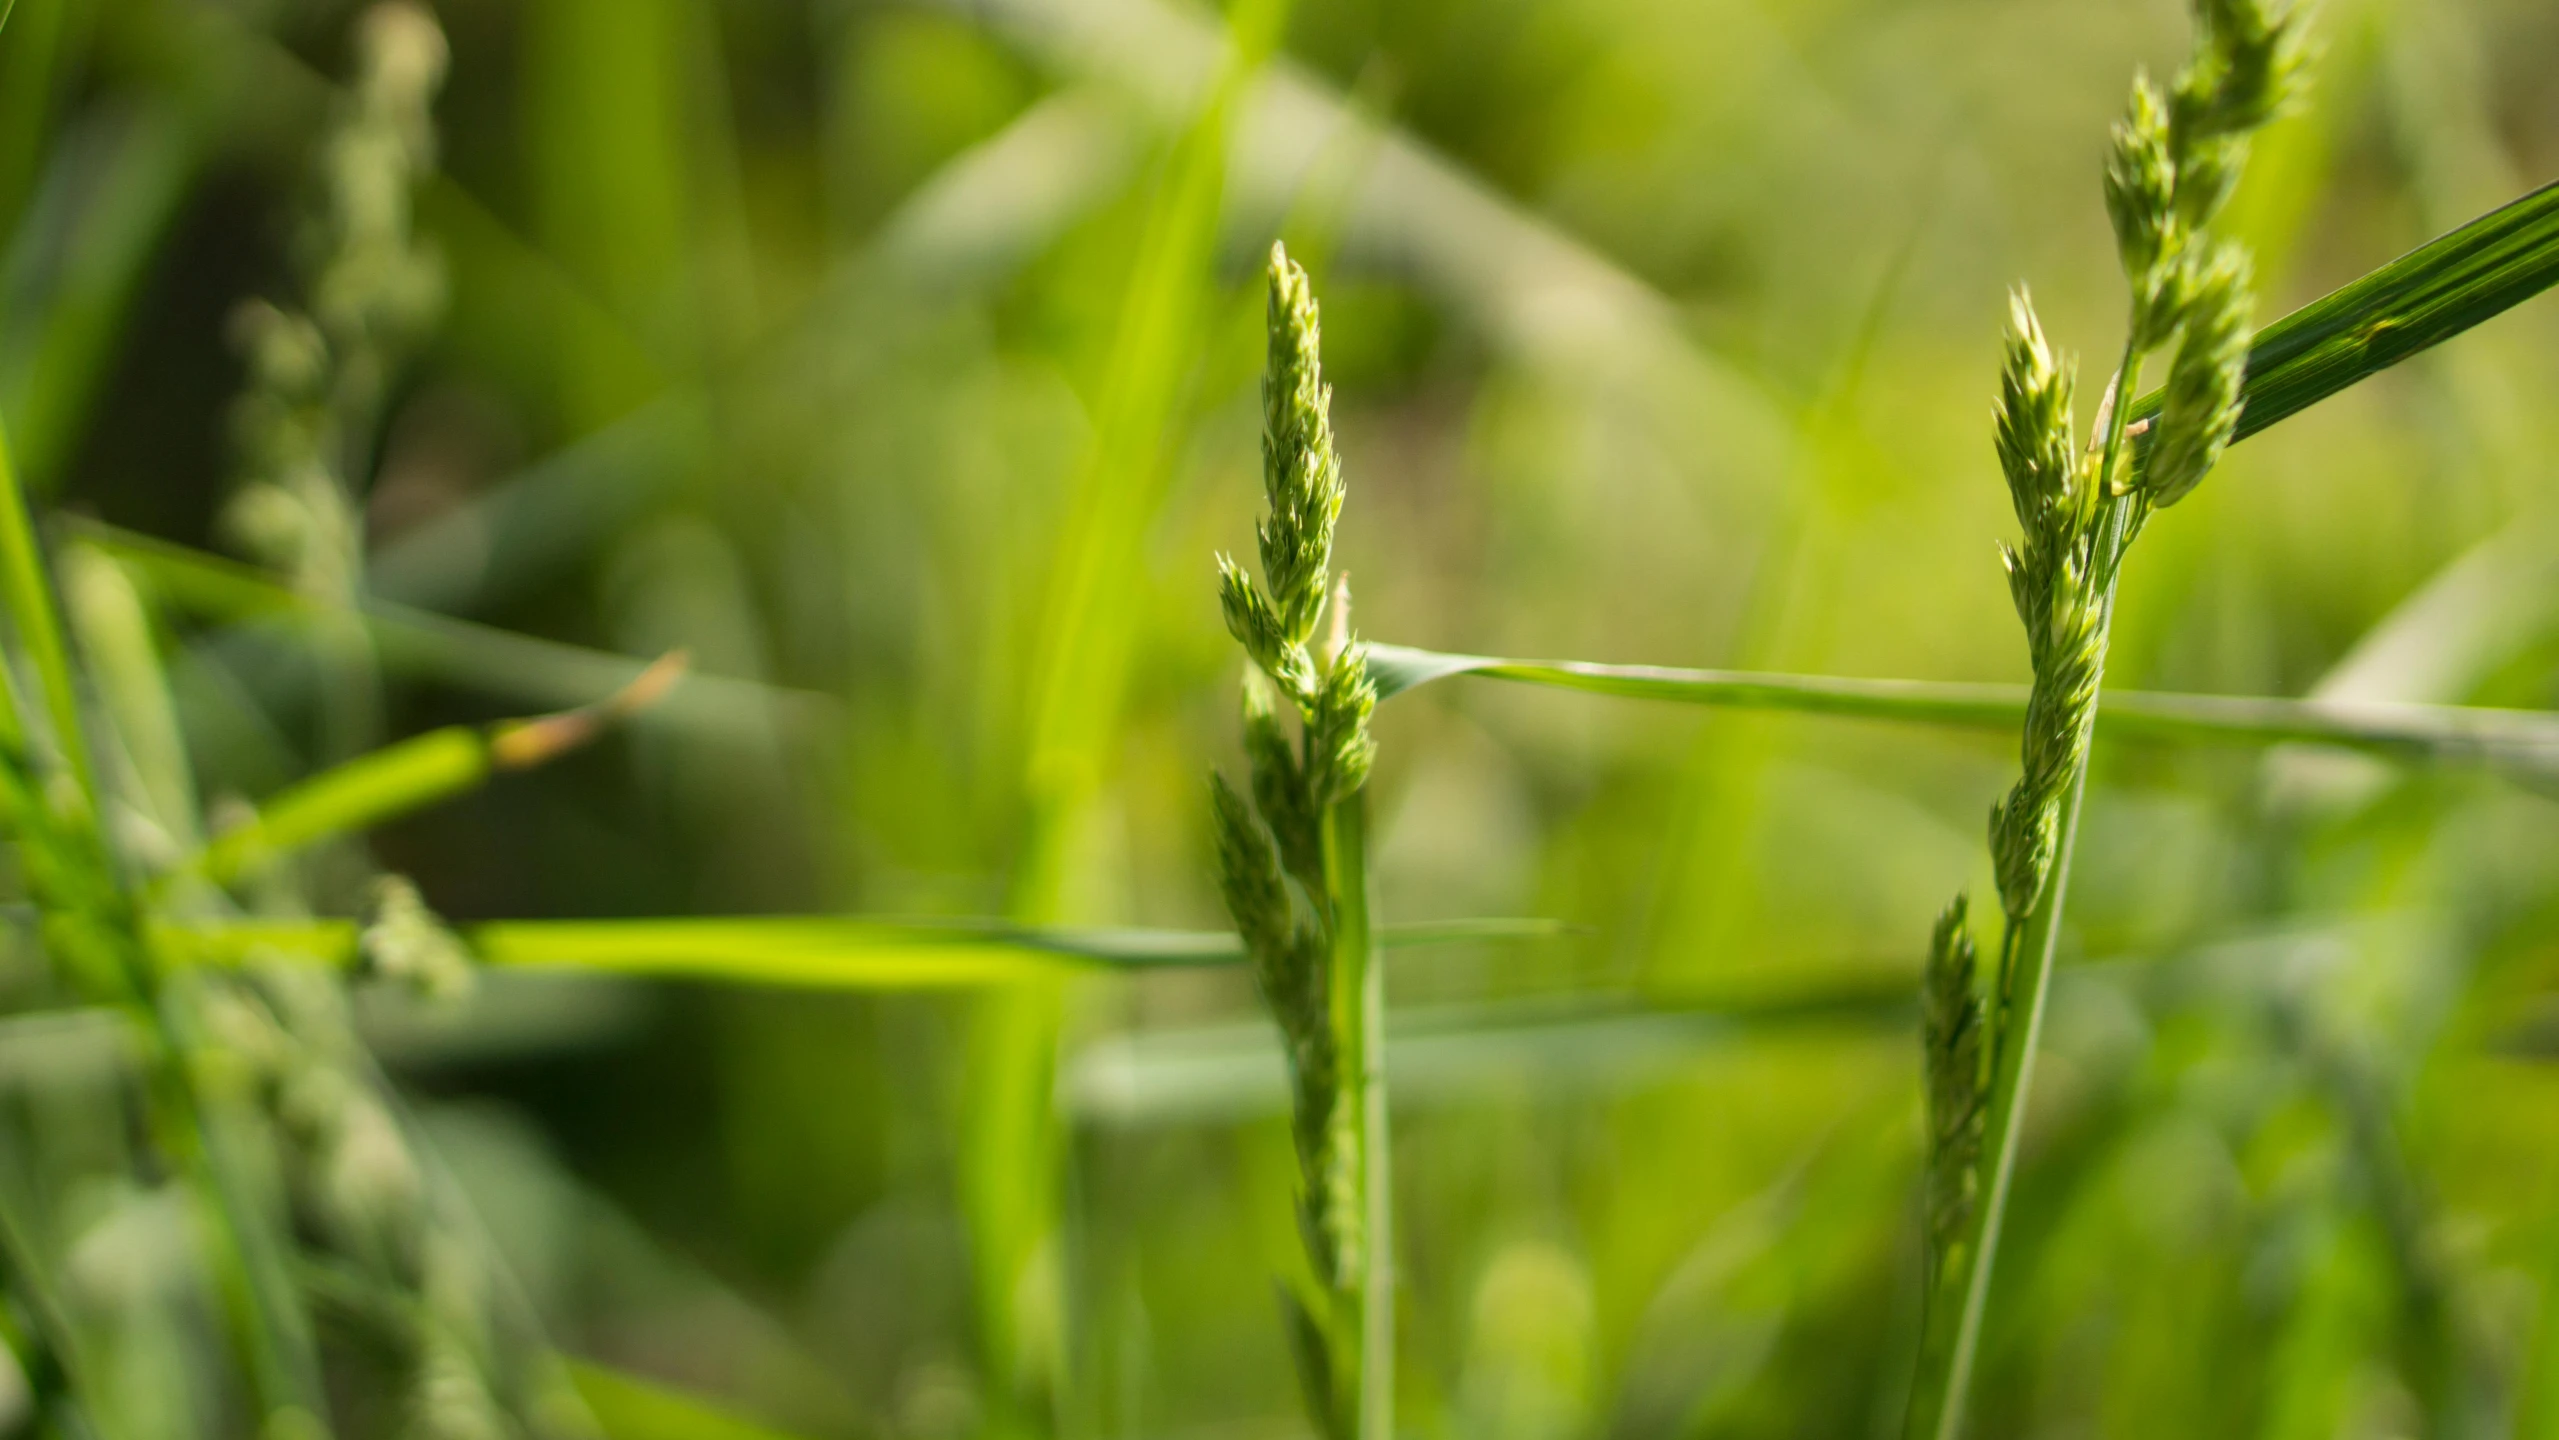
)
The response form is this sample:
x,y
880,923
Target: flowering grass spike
x,y
1306,823
2172,163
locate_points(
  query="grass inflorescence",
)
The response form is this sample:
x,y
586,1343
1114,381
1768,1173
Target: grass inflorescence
x,y
2173,162
1292,865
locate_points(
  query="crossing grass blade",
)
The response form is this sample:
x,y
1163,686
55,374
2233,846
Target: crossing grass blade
x,y
26,593
824,952
2524,742
2417,301
398,779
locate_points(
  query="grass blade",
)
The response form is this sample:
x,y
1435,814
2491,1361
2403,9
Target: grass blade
x,y
2417,301
26,593
384,784
2521,741
816,951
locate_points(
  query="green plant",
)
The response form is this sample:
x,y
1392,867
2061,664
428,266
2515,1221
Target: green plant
x,y
2174,161
1314,955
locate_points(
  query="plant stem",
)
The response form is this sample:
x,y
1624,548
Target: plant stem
x,y
1358,995
2026,963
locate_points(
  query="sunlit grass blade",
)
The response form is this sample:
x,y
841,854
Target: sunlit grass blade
x,y
2417,301
1086,634
411,774
2524,741
811,951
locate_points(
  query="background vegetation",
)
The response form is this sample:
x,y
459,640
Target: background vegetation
x,y
899,361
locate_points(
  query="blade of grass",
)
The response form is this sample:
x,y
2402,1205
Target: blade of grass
x,y
2524,741
816,951
384,784
2417,301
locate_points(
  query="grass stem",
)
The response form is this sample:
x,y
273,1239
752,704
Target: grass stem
x,y
1358,992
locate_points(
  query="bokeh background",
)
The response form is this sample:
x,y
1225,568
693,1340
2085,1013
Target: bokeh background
x,y
899,360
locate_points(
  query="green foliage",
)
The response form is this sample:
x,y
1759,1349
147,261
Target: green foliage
x,y
857,1042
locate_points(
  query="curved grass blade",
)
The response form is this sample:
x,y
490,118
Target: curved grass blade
x,y
812,951
2417,301
2521,741
410,775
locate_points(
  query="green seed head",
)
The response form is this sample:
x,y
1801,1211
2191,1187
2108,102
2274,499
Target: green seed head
x,y
2034,424
1952,1024
2141,197
2202,406
1248,874
1300,471
2247,67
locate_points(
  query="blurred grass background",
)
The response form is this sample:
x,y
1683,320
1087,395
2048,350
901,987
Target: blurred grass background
x,y
900,359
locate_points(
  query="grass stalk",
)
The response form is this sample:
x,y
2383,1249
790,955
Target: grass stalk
x,y
1358,989
1293,863
2174,159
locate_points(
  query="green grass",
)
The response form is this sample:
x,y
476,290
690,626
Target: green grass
x,y
853,1044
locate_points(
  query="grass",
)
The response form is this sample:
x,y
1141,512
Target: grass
x,y
867,975
1308,822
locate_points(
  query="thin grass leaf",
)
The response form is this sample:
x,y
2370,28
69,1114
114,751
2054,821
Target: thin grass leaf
x,y
2417,301
2521,741
358,795
424,770
813,951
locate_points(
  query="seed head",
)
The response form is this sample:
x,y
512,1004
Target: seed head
x,y
1248,875
2034,425
1279,786
2247,68
404,941
1952,1023
2141,198
1338,745
1301,473
2202,406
